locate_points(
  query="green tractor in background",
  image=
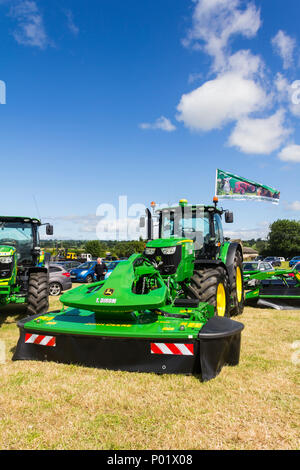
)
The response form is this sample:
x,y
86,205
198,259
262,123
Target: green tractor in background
x,y
194,258
24,274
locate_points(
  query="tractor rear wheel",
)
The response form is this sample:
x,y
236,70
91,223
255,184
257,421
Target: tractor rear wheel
x,y
38,294
211,285
237,290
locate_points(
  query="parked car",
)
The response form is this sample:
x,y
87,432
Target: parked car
x,y
282,259
274,260
294,261
59,279
259,258
252,267
85,272
68,265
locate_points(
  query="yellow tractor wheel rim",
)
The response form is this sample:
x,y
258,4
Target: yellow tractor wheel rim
x,y
239,284
221,300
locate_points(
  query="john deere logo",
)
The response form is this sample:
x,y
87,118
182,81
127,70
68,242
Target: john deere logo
x,y
109,292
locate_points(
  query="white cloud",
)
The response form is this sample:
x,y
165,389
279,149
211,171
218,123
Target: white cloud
x,y
290,153
284,45
293,206
216,21
71,24
31,30
194,77
102,227
227,98
245,64
237,90
288,93
161,123
260,136
248,233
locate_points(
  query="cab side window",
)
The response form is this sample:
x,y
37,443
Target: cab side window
x,y
218,229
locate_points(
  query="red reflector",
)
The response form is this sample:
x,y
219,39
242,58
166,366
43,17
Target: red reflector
x,y
66,274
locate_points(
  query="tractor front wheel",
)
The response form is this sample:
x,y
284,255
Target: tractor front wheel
x,y
38,300
211,285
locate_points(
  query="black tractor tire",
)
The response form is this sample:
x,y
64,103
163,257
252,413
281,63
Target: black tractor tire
x,y
204,287
237,288
38,294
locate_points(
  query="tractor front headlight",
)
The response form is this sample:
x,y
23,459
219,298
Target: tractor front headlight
x,y
169,251
150,251
6,259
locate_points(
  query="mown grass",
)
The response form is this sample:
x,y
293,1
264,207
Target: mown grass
x,y
252,406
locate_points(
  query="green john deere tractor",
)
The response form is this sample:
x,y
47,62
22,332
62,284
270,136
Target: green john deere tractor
x,y
195,259
162,311
23,267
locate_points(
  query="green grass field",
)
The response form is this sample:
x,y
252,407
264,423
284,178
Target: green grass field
x,y
253,406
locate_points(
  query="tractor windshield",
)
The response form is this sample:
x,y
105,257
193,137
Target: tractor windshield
x,y
20,236
186,222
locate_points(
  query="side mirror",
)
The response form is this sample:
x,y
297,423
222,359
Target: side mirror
x,y
142,222
49,229
229,217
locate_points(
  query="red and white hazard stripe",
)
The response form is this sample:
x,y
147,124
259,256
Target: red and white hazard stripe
x,y
179,349
41,340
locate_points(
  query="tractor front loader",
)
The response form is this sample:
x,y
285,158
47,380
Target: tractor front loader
x,y
23,265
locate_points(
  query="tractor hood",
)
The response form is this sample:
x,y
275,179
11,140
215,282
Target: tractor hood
x,y
166,242
6,250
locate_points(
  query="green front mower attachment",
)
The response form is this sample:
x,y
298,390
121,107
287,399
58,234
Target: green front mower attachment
x,y
279,289
133,322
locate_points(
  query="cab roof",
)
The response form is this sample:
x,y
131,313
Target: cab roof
x,y
210,208
20,219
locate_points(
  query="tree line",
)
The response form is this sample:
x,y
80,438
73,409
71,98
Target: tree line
x,y
97,248
283,240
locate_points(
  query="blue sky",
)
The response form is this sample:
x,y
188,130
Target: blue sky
x,y
146,99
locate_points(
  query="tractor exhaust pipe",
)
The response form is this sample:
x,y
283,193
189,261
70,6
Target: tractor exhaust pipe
x,y
149,225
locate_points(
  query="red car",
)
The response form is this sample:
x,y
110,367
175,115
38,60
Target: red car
x,y
243,188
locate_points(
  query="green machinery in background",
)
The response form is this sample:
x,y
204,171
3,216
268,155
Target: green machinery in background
x,y
279,289
23,267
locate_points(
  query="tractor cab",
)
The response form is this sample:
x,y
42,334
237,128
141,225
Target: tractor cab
x,y
197,223
185,231
20,236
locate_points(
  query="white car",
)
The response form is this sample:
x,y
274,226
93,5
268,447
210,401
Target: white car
x,y
257,266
